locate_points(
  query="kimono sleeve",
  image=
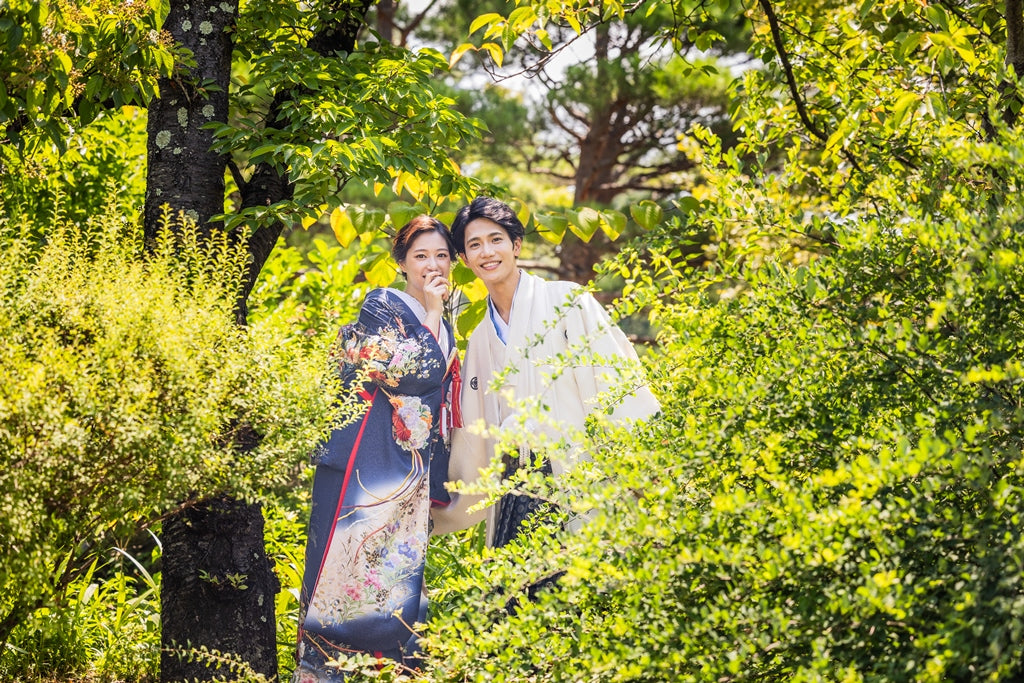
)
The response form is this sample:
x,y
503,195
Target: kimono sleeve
x,y
383,346
604,339
469,455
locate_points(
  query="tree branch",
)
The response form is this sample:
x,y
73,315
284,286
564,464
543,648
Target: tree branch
x,y
794,89
787,67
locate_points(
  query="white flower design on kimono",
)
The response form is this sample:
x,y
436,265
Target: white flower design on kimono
x,y
410,422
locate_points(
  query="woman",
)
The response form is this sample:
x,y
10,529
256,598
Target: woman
x,y
378,476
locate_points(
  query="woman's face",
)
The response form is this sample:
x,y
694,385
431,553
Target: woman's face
x,y
427,258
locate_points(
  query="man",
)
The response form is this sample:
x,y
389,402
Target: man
x,y
543,339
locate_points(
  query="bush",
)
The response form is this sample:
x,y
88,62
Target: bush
x,y
833,490
107,627
130,391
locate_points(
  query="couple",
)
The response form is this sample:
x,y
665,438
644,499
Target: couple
x,y
380,480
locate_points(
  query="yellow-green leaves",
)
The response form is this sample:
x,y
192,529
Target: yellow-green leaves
x,y
552,226
586,221
126,380
341,224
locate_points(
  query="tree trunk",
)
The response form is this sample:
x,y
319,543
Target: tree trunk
x,y
215,548
218,594
386,20
1015,36
1014,57
599,151
182,171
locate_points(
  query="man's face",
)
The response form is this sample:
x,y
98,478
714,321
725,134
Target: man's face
x,y
490,254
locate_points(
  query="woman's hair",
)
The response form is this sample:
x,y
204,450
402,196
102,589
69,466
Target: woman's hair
x,y
420,225
493,210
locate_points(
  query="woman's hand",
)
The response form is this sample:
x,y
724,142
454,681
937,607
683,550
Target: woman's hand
x,y
436,291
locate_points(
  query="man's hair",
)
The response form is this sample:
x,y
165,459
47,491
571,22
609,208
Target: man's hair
x,y
493,210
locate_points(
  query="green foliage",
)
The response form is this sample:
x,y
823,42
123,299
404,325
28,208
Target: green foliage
x,y
883,87
833,489
309,294
374,115
285,533
129,390
63,63
108,628
832,492
101,160
614,90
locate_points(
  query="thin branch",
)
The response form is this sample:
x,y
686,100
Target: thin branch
x,y
794,89
787,67
415,21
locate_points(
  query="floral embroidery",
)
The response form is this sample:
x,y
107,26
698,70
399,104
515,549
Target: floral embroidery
x,y
385,357
410,421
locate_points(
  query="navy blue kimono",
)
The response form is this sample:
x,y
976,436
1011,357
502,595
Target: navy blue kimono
x,y
375,481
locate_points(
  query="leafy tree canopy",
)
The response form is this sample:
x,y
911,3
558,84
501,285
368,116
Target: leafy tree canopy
x,y
64,63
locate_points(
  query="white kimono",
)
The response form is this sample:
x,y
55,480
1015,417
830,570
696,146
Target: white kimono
x,y
548,319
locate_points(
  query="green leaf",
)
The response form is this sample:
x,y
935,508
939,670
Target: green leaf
x,y
544,37
484,20
401,213
903,105
495,51
381,272
937,15
522,17
342,226
366,221
462,275
264,153
647,214
613,223
472,316
584,223
458,52
521,209
553,226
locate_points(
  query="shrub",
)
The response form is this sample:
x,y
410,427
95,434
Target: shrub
x,y
129,390
833,490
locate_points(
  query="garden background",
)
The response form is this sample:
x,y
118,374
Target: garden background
x,y
806,214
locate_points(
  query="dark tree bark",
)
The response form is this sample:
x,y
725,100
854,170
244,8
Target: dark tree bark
x,y
1014,57
217,593
182,170
1015,36
216,546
